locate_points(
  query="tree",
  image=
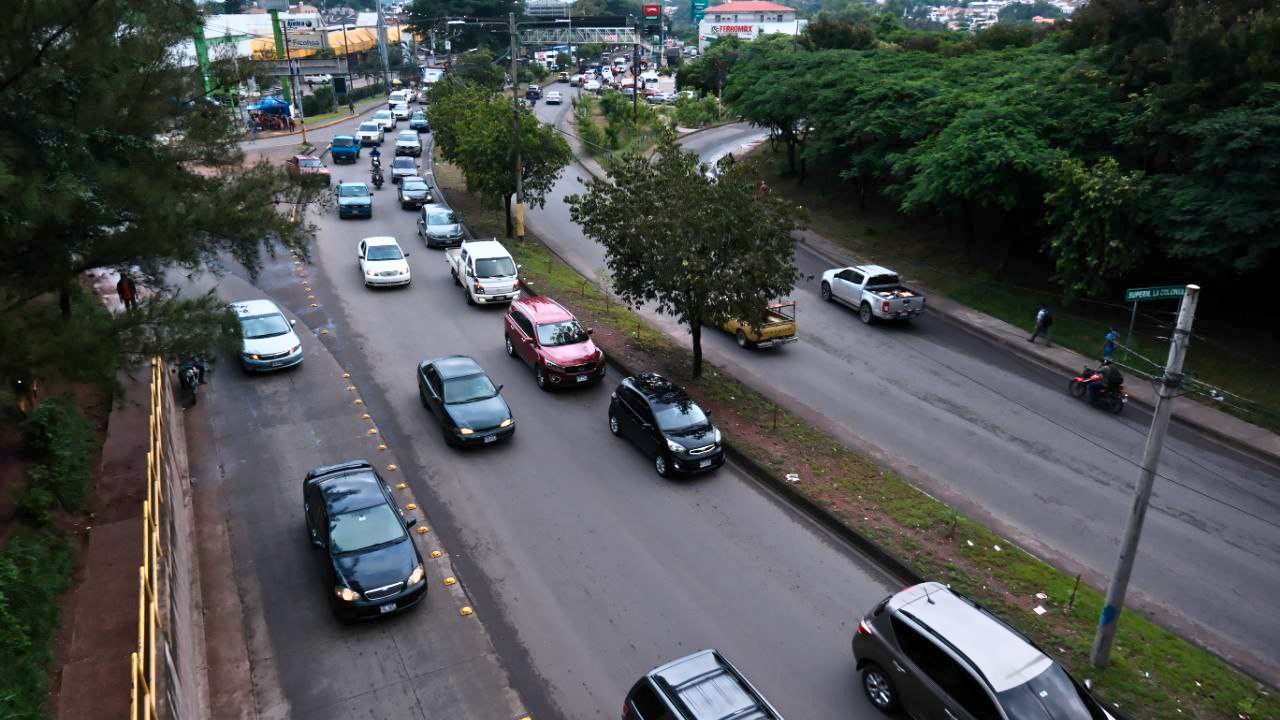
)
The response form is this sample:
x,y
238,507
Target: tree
x,y
711,70
233,7
827,32
479,68
717,250
563,61
1021,13
108,171
771,86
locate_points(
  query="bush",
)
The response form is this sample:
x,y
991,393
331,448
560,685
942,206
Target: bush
x,y
318,103
61,442
692,113
35,567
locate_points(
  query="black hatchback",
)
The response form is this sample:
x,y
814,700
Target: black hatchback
x,y
371,565
664,422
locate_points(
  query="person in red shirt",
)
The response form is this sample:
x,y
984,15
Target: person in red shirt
x,y
128,291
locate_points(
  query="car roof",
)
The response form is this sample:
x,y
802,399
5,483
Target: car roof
x,y
404,161
351,490
380,240
353,182
486,249
305,157
413,134
249,308
542,309
710,688
656,388
874,270
411,178
452,366
1003,656
369,122
344,137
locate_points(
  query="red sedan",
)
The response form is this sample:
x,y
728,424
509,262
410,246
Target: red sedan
x,y
544,335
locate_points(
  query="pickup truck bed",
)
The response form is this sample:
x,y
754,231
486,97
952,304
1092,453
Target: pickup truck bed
x,y
779,328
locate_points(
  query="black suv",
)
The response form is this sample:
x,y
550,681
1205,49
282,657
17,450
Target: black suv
x,y
664,422
371,565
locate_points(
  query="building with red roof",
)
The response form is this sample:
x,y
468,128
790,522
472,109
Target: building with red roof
x,y
747,19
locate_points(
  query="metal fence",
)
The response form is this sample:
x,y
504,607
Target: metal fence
x,y
155,679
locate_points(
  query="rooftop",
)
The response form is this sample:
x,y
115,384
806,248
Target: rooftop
x,y
748,6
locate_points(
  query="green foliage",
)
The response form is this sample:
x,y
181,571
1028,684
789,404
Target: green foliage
x,y
106,170
35,567
693,113
1021,13
319,102
716,251
710,71
61,443
827,32
479,68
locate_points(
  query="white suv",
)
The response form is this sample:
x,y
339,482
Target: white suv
x,y
370,133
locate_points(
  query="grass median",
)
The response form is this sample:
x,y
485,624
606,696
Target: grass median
x,y
1154,673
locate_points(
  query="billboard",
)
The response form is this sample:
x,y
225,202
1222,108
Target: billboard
x,y
698,8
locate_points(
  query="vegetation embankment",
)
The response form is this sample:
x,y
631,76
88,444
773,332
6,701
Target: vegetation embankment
x,y
38,555
1118,150
1154,674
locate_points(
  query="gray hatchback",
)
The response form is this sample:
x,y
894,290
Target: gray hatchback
x,y
939,656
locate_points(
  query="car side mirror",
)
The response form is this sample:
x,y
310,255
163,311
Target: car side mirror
x,y
499,388
292,323
410,521
591,331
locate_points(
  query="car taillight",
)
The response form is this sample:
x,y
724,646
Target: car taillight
x,y
864,628
884,307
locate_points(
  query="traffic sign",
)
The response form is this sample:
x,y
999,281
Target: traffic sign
x,y
1167,292
306,66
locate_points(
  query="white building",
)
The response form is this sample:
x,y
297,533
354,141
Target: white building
x,y
747,19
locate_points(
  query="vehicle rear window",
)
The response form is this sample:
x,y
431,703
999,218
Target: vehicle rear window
x,y
310,163
1051,694
882,280
362,529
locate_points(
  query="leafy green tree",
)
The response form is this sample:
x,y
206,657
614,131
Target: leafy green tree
x,y
717,250
104,170
827,32
771,86
1098,216
479,68
1021,13
563,61
710,71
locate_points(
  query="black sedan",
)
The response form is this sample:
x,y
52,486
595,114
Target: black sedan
x,y
371,565
415,192
465,401
664,422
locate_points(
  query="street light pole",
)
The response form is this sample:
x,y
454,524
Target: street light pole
x,y
515,116
1165,393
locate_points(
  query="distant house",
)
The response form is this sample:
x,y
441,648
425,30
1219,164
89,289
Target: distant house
x,y
747,19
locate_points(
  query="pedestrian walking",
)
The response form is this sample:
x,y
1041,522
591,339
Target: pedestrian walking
x,y
128,291
1044,320
1109,347
351,106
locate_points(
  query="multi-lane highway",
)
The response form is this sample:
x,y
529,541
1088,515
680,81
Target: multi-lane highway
x,y
999,437
586,568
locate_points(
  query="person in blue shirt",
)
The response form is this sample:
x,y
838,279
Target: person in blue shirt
x,y
1109,347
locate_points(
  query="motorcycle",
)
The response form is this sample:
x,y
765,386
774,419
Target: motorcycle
x,y
191,375
1110,399
377,179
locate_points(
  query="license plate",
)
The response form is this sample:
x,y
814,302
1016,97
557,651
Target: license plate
x,y
704,464
581,378
490,438
277,363
389,607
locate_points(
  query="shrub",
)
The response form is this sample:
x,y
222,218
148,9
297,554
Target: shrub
x,y
61,443
318,103
35,567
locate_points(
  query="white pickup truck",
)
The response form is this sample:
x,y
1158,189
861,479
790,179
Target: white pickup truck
x,y
485,270
875,291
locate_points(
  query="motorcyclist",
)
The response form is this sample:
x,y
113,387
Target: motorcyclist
x,y
375,158
1108,377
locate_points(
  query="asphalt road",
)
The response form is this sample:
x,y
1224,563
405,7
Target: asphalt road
x,y
999,437
586,568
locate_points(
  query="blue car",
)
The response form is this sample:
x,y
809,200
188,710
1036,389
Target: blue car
x,y
344,149
418,121
354,200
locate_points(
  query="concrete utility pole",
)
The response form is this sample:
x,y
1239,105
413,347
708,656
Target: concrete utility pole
x,y
635,72
515,116
382,49
1167,388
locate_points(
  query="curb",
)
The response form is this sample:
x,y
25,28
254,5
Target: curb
x,y
958,320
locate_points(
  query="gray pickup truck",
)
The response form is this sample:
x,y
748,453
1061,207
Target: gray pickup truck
x,y
876,292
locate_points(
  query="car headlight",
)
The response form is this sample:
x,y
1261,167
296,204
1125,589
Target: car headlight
x,y
715,437
506,423
415,577
346,594
466,431
252,356
674,446
371,274
553,366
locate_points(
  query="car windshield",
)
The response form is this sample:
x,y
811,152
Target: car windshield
x,y
440,217
263,326
418,116
383,252
310,163
364,529
561,333
370,127
352,190
404,163
469,388
415,185
343,142
1051,694
410,136
679,415
495,267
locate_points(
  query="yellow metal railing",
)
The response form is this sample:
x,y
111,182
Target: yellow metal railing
x,y
143,661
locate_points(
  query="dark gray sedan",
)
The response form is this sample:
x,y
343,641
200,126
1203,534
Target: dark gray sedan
x,y
439,226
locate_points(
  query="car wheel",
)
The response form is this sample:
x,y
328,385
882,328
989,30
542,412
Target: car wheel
x,y
541,376
466,293
448,437
879,688
742,340
825,292
1115,405
614,427
456,281
864,313
661,466
511,350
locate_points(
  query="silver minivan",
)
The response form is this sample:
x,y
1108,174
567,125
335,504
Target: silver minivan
x,y
937,655
701,686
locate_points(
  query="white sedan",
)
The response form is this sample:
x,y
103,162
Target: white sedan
x,y
591,86
382,262
554,98
370,133
386,119
400,110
